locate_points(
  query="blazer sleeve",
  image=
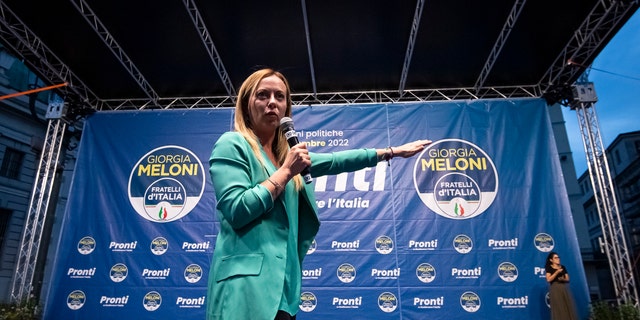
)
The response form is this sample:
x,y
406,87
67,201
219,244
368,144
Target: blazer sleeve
x,y
342,161
235,174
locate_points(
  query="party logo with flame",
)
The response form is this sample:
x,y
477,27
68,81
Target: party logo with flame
x,y
166,184
456,179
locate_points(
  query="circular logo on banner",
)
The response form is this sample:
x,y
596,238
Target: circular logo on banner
x,y
118,272
166,184
463,243
312,247
193,273
152,301
76,299
159,246
426,272
508,272
470,301
455,179
543,242
86,245
308,301
384,245
387,302
346,273
547,300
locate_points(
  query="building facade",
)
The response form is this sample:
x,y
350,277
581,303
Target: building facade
x,y
22,133
23,129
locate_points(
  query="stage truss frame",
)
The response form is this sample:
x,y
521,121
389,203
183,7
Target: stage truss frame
x,y
605,16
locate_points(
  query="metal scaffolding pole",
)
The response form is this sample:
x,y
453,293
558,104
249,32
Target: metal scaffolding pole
x,y
36,214
613,233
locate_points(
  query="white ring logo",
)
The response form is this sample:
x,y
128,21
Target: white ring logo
x,y
387,302
508,272
308,301
426,272
544,242
166,184
384,244
455,179
470,301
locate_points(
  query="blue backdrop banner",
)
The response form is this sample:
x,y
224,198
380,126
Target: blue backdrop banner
x,y
460,231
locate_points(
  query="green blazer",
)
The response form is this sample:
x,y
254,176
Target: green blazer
x,y
261,239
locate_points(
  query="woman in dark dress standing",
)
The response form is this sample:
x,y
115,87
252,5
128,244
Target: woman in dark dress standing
x,y
560,298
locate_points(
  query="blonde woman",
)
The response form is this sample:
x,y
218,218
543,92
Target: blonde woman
x,y
267,213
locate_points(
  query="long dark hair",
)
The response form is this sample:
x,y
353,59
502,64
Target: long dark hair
x,y
549,257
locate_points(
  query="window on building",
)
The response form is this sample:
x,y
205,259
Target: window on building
x,y
616,155
633,189
635,239
585,187
594,217
5,215
11,163
595,245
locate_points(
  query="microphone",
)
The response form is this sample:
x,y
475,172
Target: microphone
x,y
286,125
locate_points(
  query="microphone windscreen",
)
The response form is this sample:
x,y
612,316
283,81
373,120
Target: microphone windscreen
x,y
286,123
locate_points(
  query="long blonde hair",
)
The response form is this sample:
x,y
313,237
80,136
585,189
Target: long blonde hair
x,y
243,123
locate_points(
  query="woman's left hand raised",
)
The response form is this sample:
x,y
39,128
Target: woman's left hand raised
x,y
410,149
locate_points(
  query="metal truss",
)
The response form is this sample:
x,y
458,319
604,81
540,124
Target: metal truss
x,y
585,43
502,38
604,17
312,70
613,233
417,16
37,212
40,59
345,97
168,103
421,95
205,36
115,48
